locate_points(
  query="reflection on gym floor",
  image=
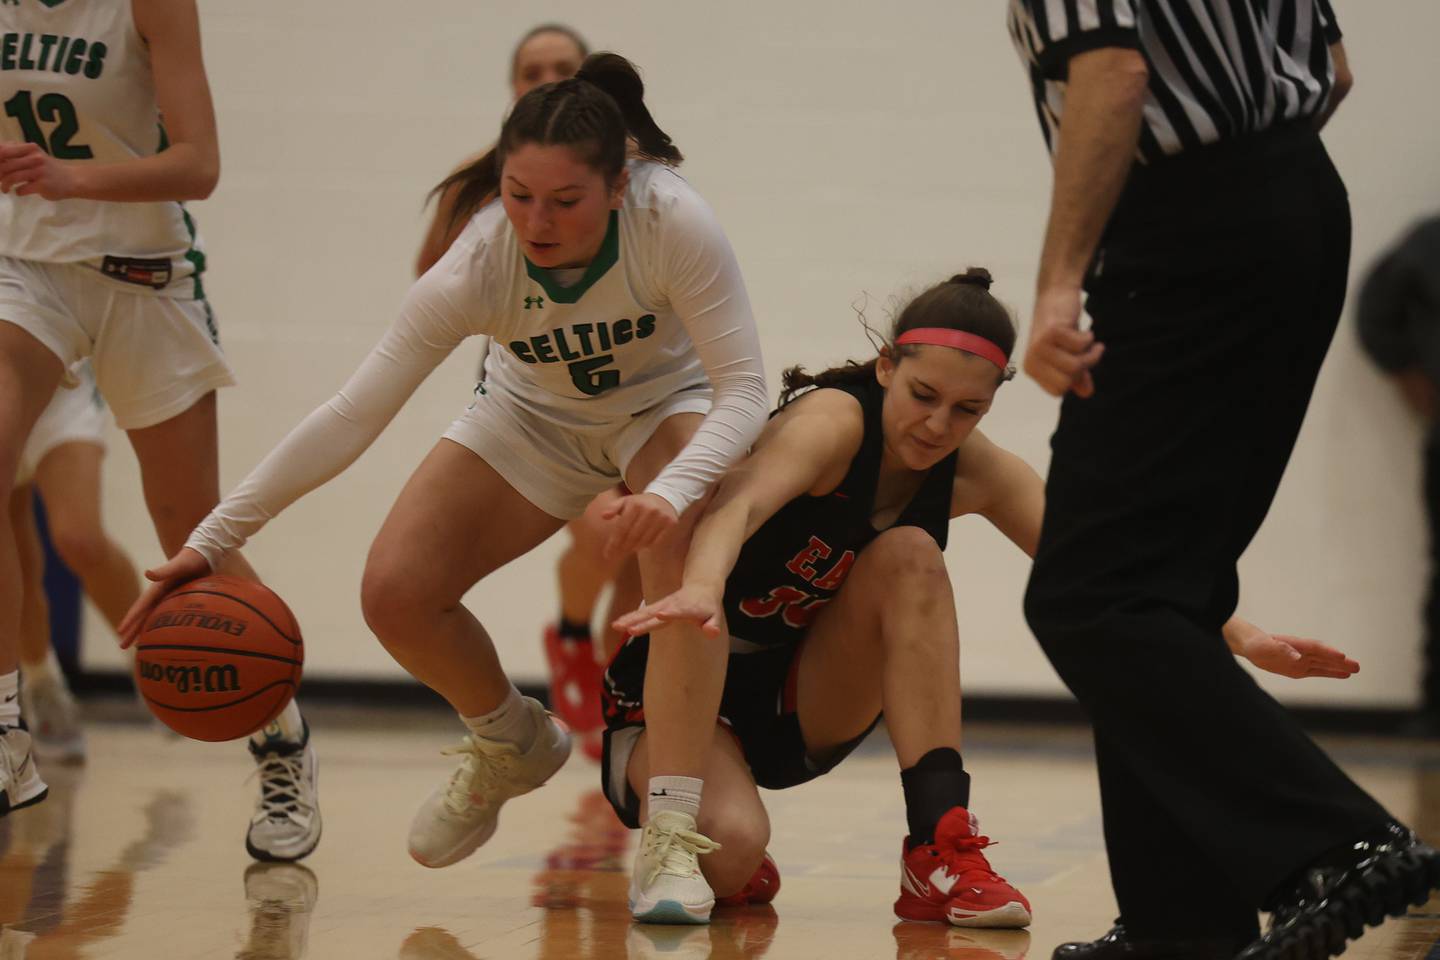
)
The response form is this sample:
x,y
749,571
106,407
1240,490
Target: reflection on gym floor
x,y
139,854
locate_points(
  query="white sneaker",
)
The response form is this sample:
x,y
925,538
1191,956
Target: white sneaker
x,y
666,885
461,815
54,719
20,783
286,823
282,897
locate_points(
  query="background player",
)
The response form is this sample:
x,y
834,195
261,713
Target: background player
x,y
820,557
61,461
621,310
99,258
548,53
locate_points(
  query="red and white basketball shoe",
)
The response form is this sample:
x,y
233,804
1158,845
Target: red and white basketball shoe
x,y
951,881
575,680
760,888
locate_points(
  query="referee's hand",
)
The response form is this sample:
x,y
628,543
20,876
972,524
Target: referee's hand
x,y
1061,355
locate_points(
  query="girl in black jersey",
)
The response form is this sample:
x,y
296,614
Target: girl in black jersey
x,y
821,556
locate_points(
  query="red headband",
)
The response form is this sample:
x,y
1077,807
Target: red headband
x,y
957,339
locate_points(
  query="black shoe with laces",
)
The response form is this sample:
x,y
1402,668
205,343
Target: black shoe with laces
x,y
1336,898
1118,944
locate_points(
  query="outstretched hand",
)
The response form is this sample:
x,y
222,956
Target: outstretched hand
x,y
688,604
1295,657
640,520
185,565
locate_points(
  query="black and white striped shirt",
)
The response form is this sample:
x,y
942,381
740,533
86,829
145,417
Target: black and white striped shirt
x,y
1218,68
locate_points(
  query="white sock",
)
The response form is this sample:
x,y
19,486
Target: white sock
x,y
10,699
43,670
680,794
289,727
511,722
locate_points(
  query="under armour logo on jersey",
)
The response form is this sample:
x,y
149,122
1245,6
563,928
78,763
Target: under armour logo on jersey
x,y
537,302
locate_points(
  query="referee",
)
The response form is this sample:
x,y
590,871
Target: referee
x,y
1196,207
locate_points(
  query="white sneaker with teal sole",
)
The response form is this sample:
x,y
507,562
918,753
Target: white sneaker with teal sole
x,y
666,885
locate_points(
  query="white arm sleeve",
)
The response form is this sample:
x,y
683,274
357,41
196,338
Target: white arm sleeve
x,y
337,432
703,282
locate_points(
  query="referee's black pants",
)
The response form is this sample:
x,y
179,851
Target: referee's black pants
x,y
1217,291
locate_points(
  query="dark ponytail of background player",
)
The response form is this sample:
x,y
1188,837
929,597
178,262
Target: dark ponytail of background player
x,y
598,111
961,303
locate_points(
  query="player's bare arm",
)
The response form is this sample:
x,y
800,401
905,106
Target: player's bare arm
x,y
805,449
1001,487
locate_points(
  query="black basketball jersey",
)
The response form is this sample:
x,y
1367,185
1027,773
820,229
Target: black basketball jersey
x,y
793,565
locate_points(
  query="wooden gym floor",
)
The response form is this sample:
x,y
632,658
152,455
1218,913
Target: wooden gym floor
x,y
139,854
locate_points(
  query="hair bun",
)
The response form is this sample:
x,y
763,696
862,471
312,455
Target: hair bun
x,y
975,277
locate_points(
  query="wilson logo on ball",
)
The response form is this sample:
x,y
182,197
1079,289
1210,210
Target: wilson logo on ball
x,y
219,658
204,621
220,678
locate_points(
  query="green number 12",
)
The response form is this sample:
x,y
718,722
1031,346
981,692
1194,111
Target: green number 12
x,y
52,108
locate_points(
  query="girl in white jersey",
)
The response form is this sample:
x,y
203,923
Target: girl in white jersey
x,y
624,347
98,258
549,53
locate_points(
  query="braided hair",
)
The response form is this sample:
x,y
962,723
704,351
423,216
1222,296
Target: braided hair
x,y
598,112
961,303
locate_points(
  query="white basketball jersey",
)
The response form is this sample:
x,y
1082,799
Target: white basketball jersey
x,y
609,344
75,79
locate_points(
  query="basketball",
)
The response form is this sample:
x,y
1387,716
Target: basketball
x,y
219,658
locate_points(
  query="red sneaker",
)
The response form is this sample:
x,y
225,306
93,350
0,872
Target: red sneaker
x,y
575,679
760,888
951,881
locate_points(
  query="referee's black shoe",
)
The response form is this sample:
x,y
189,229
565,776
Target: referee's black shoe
x,y
1338,897
1119,944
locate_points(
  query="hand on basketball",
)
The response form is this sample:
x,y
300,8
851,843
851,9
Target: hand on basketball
x,y
640,520
185,565
689,603
1061,355
1295,657
26,169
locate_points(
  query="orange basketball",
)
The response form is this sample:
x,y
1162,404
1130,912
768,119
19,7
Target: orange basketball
x,y
219,658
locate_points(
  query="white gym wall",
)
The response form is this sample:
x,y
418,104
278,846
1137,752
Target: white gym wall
x,y
853,151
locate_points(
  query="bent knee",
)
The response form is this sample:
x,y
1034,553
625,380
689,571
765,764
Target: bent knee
x,y
588,536
909,552
80,548
742,839
393,600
